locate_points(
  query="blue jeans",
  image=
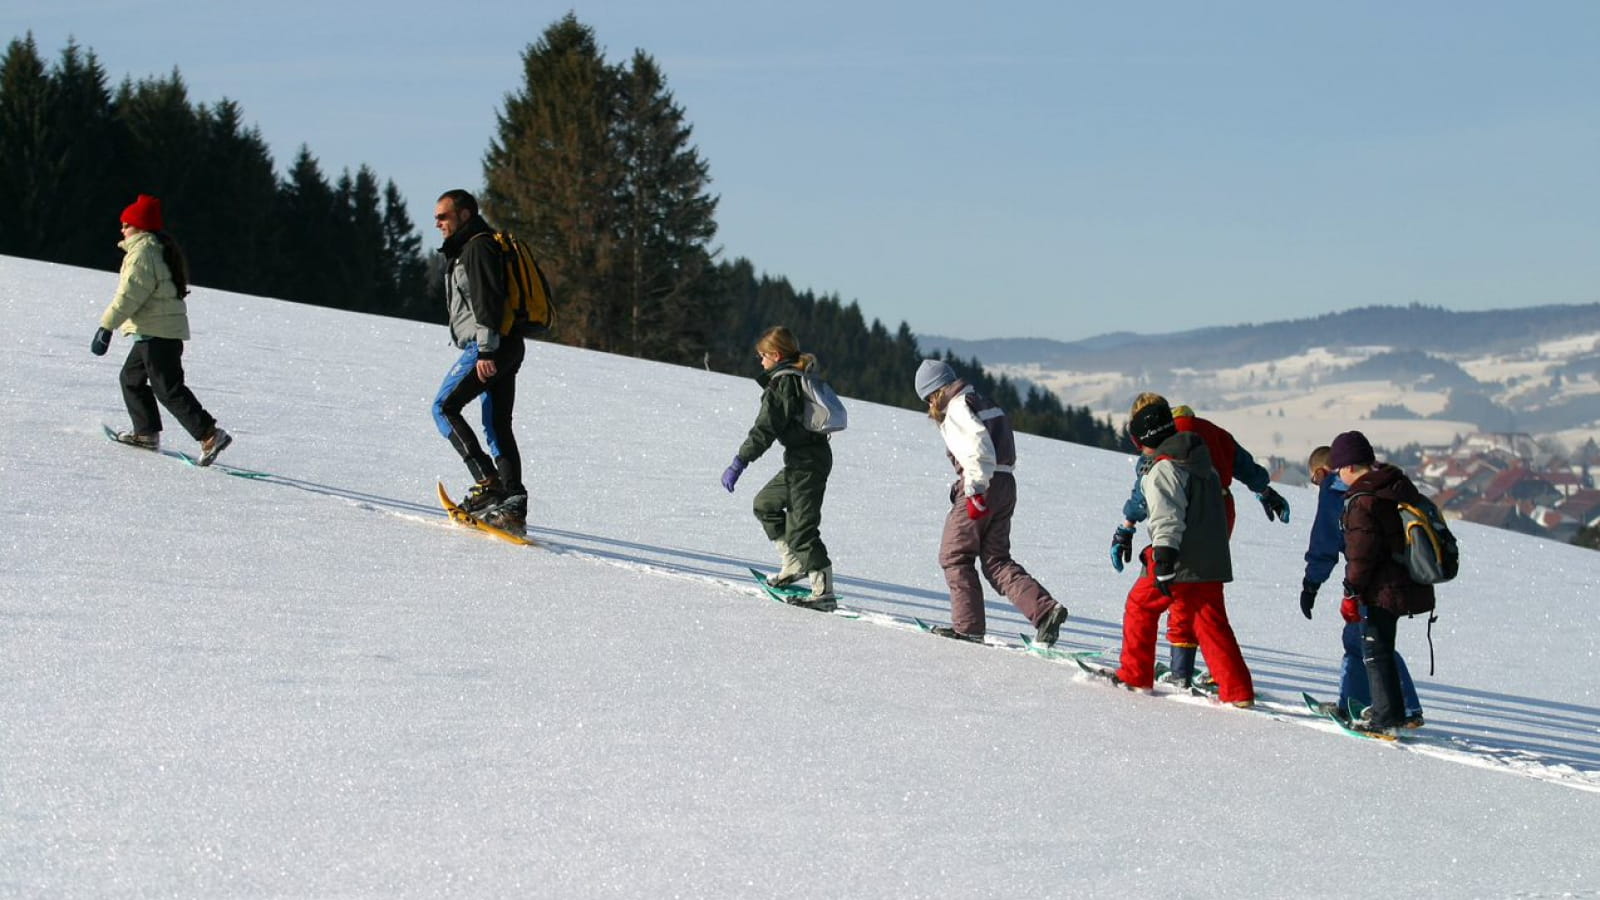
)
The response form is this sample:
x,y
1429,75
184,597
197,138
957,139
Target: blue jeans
x,y
1353,683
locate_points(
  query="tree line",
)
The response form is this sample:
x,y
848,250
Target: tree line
x,y
591,164
76,152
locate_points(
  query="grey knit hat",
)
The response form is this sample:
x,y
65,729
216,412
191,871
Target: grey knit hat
x,y
932,375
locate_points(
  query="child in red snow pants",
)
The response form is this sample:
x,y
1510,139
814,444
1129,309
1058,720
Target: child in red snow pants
x,y
1199,604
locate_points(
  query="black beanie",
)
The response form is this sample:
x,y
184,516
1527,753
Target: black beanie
x,y
1152,424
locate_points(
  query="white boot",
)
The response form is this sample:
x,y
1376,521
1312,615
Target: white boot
x,y
822,586
791,571
821,598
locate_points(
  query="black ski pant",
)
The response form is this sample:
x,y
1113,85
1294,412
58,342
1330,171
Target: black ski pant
x,y
501,391
152,372
1383,673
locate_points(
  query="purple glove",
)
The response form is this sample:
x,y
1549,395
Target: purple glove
x,y
730,475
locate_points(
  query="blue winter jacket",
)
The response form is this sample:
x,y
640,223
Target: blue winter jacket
x,y
1327,534
1245,469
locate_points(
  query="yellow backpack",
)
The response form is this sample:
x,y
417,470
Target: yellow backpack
x,y
527,290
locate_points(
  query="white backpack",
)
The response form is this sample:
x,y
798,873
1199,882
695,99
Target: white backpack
x,y
825,412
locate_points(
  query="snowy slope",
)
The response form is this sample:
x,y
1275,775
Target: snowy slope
x,y
312,685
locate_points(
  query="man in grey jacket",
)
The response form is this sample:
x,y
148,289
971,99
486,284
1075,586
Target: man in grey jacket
x,y
476,296
1187,561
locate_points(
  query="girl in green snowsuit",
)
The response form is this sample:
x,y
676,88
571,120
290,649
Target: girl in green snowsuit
x,y
790,506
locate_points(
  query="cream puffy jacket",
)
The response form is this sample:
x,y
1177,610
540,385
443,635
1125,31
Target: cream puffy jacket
x,y
147,301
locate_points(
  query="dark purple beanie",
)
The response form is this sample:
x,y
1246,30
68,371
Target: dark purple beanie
x,y
1350,449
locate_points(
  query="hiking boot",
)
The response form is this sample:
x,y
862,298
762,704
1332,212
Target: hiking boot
x,y
511,515
214,443
1242,704
1335,710
142,441
1178,681
950,632
822,597
482,496
1412,721
792,569
1049,630
1367,726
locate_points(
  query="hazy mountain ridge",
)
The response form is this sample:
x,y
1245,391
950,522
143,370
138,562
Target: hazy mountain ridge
x,y
1415,327
1406,374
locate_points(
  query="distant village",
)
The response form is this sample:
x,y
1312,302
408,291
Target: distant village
x,y
1502,480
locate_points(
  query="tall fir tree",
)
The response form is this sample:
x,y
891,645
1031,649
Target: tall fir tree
x,y
405,289
307,228
667,222
553,176
359,235
24,136
82,203
227,221
55,128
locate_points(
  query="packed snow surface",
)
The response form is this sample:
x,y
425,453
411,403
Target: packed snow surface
x,y
312,684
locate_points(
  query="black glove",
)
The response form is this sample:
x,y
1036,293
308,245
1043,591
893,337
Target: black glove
x,y
1275,505
101,342
1121,547
1165,560
1308,596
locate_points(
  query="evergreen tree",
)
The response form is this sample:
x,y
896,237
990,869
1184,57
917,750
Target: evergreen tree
x,y
307,223
405,288
360,239
666,224
81,200
58,170
226,223
553,177
160,134
24,128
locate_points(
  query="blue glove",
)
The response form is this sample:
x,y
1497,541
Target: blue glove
x,y
101,342
1121,547
1276,506
730,475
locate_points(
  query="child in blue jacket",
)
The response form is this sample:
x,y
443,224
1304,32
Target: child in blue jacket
x,y
1327,543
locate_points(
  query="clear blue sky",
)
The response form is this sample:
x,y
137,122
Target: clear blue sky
x,y
1001,169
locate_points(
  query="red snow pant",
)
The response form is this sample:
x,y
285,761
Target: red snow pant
x,y
988,542
1180,626
1199,603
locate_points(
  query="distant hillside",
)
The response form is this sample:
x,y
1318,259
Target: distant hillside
x,y
1416,327
1412,367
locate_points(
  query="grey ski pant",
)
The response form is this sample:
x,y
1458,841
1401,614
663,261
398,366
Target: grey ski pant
x,y
987,541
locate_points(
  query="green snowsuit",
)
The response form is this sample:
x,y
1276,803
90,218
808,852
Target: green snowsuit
x,y
790,506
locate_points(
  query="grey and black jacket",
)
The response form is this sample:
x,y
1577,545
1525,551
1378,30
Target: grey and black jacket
x,y
474,287
1187,510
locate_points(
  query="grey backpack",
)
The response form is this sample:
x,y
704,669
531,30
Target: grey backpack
x,y
825,412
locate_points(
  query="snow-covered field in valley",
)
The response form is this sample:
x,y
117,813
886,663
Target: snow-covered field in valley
x,y
312,685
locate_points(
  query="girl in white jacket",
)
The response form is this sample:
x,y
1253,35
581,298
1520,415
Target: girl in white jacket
x,y
149,307
978,439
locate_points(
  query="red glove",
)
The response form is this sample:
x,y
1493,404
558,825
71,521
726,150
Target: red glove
x,y
976,508
1350,609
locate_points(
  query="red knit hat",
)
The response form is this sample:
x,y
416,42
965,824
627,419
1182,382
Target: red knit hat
x,y
143,214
